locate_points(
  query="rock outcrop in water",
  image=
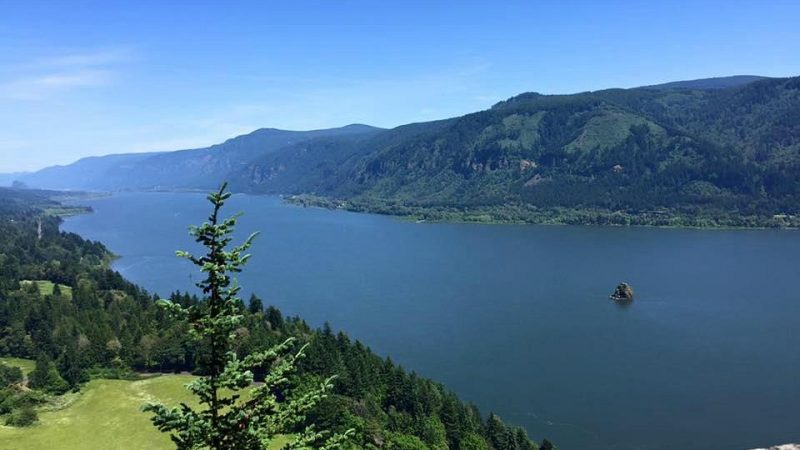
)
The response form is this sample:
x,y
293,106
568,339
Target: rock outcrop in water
x,y
623,293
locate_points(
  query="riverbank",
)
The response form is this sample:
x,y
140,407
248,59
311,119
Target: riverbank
x,y
512,213
519,213
71,199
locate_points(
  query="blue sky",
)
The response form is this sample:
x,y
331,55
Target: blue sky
x,y
83,78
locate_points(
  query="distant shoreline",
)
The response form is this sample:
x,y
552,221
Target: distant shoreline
x,y
515,214
511,214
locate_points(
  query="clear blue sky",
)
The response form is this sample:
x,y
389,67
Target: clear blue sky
x,y
82,78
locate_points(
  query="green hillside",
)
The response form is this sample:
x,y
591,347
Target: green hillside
x,y
106,414
644,156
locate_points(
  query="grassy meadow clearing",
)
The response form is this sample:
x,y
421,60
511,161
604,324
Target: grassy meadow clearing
x,y
47,287
104,415
26,365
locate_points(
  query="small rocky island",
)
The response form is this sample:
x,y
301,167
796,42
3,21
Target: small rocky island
x,y
623,293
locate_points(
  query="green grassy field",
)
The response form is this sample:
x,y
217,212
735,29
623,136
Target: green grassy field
x,y
26,365
46,287
105,415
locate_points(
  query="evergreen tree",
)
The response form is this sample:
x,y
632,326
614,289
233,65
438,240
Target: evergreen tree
x,y
522,441
38,378
256,305
69,367
274,317
226,421
45,377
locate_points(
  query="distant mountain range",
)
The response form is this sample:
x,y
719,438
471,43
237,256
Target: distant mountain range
x,y
202,168
718,151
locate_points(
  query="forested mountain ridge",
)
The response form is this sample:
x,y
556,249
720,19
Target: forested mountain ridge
x,y
61,305
644,156
91,173
321,165
714,152
194,169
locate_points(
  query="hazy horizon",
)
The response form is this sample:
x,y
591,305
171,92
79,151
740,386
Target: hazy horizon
x,y
101,79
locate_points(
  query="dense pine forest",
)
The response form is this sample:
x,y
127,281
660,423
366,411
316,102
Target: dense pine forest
x,y
62,305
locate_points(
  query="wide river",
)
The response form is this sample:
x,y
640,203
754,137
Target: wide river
x,y
517,318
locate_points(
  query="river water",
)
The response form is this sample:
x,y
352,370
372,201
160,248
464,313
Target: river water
x,y
517,319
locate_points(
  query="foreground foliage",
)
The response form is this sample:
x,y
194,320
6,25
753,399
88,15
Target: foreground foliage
x,y
225,419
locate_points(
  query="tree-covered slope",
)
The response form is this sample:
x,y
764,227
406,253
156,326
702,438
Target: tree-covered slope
x,y
321,165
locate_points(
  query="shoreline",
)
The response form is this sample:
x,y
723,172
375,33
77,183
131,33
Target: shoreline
x,y
550,216
484,215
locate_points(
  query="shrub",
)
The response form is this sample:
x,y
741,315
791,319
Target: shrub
x,y
23,417
9,375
